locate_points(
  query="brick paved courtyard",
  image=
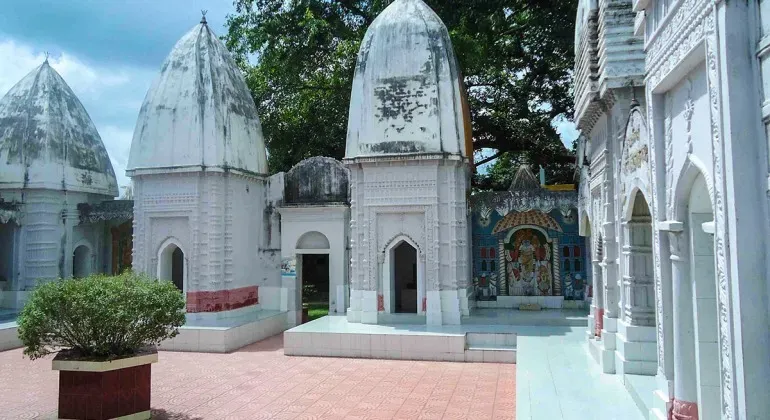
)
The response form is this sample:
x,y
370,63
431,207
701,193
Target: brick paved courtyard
x,y
259,382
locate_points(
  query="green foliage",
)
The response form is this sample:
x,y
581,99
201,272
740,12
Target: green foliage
x,y
100,316
516,55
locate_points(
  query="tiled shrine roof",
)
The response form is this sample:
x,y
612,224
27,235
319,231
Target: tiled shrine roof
x,y
113,210
530,217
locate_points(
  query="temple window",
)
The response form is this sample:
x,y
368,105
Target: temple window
x,y
483,266
483,252
566,265
576,251
566,251
577,265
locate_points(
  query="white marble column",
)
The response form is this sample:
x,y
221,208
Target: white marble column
x,y
685,374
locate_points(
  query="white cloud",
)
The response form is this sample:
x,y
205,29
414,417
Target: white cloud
x,y
111,95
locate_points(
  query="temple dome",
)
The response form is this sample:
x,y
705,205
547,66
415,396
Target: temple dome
x,y
48,141
198,114
408,95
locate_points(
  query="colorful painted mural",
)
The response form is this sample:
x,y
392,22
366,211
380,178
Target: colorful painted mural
x,y
526,242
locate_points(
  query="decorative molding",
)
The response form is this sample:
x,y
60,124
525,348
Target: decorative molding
x,y
658,273
683,32
669,147
721,228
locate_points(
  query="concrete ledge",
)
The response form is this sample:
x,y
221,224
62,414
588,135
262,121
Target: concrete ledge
x,y
9,337
225,339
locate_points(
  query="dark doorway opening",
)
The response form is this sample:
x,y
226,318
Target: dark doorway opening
x,y
405,278
177,268
315,284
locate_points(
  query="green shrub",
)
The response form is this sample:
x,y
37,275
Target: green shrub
x,y
100,316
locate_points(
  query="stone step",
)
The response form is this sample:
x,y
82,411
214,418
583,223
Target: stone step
x,y
490,340
490,355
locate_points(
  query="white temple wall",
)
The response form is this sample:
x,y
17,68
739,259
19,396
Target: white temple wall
x,y
421,201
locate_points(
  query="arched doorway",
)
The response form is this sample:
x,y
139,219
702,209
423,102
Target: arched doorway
x,y
172,266
404,278
638,278
8,234
700,220
81,261
313,275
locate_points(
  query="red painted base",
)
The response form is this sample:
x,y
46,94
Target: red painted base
x,y
104,395
380,303
683,410
599,322
222,300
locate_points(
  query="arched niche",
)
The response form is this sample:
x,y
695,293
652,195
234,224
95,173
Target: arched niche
x,y
82,257
315,241
172,263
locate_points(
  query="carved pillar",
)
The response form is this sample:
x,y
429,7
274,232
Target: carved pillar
x,y
610,273
685,371
501,266
555,263
598,287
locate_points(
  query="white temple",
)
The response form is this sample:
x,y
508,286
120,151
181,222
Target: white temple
x,y
674,177
408,155
52,162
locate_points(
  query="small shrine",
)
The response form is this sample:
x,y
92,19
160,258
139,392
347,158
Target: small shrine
x,y
526,243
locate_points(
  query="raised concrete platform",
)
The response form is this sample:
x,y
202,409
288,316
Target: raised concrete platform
x,y
226,335
488,335
208,336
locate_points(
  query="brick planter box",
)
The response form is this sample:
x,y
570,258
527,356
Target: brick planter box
x,y
117,389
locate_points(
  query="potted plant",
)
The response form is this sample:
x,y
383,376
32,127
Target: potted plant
x,y
104,329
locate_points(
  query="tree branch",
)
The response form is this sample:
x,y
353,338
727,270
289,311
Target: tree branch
x,y
488,159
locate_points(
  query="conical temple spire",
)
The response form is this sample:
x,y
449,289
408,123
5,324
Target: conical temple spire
x,y
524,179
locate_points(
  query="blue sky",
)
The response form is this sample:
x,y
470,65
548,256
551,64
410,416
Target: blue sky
x,y
109,52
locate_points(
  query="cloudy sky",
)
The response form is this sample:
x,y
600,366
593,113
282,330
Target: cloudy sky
x,y
109,52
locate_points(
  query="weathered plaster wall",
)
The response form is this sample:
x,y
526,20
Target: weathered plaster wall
x,y
219,220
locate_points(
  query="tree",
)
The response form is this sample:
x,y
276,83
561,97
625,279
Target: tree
x,y
516,57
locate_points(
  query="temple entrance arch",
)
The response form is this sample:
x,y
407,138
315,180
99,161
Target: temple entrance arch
x,y
404,278
697,385
172,264
313,276
81,261
638,274
403,285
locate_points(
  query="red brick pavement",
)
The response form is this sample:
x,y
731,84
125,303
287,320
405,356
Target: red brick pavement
x,y
259,382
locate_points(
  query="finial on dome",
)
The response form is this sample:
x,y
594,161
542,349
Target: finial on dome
x,y
203,16
46,57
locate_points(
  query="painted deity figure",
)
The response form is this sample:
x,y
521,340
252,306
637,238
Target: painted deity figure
x,y
528,266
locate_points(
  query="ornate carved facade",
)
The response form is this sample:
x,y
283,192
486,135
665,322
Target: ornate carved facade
x,y
671,169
